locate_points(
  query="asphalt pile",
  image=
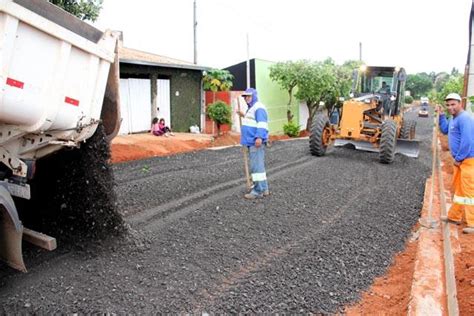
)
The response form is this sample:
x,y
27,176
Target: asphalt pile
x,y
330,226
72,194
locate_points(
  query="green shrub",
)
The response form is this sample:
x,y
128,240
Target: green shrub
x,y
220,113
408,99
291,129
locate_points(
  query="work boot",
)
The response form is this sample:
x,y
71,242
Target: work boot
x,y
446,219
266,193
251,196
468,230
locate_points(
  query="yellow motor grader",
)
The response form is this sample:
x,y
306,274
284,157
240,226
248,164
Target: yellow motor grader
x,y
372,119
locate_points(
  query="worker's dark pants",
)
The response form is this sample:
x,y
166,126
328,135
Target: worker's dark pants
x,y
257,169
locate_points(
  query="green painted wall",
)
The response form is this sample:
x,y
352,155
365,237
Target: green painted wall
x,y
274,98
186,106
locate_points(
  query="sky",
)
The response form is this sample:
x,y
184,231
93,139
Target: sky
x,y
419,35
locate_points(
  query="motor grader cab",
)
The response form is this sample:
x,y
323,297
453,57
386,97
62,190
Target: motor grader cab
x,y
372,119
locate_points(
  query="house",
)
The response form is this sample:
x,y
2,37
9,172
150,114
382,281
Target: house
x,y
157,86
269,92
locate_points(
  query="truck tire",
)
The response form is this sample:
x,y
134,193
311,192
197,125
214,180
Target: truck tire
x,y
320,132
408,129
388,141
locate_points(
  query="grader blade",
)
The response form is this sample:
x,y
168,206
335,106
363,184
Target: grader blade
x,y
409,148
10,243
359,145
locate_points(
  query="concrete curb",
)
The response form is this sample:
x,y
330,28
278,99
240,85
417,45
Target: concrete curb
x,y
428,286
434,287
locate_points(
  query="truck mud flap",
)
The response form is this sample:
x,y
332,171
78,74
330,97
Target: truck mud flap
x,y
409,148
10,242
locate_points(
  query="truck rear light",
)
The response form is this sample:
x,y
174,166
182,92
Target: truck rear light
x,y
71,101
15,83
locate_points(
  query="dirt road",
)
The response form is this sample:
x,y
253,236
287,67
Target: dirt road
x,y
331,225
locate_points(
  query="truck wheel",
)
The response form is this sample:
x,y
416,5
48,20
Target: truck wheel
x,y
408,129
320,135
388,141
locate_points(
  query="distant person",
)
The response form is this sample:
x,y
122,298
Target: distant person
x,y
254,135
384,88
460,130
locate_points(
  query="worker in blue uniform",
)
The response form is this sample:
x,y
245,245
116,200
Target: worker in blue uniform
x,y
254,135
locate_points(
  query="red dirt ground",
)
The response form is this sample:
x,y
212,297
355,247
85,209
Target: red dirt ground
x,y
464,260
140,146
390,294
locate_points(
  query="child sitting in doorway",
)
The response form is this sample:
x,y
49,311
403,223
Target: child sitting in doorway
x,y
159,128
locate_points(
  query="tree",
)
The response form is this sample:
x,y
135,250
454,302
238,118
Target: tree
x,y
343,86
455,72
220,113
316,86
217,80
419,84
287,75
440,81
454,84
83,9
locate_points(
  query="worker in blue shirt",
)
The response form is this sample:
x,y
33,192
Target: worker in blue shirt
x,y
460,130
254,135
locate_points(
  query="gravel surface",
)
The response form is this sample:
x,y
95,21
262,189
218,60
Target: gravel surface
x,y
330,226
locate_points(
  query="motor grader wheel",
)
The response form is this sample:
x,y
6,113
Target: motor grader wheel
x,y
320,137
388,141
408,130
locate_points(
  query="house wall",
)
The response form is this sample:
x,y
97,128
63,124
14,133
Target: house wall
x,y
185,91
274,97
239,71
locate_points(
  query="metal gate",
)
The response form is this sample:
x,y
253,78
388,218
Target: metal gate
x,y
135,95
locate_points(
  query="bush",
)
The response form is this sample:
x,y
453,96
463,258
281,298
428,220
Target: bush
x,y
291,129
220,113
408,99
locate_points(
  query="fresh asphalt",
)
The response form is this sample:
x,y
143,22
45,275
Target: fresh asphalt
x,y
331,225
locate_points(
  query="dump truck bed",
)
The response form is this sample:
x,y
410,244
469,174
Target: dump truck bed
x,y
53,78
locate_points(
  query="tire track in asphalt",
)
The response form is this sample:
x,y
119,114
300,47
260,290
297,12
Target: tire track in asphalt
x,y
179,208
137,166
207,297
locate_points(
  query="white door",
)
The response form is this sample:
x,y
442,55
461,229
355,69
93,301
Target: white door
x,y
124,107
140,104
163,100
135,99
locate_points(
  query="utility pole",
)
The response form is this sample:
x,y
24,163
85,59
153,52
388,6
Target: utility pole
x,y
248,63
360,51
195,29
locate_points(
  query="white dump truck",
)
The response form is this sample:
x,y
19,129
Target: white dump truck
x,y
59,80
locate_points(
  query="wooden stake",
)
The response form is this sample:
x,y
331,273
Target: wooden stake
x,y
245,151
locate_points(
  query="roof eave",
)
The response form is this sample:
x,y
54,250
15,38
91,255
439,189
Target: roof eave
x,y
178,66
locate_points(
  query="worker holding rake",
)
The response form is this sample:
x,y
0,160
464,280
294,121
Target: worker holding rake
x,y
460,130
254,135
